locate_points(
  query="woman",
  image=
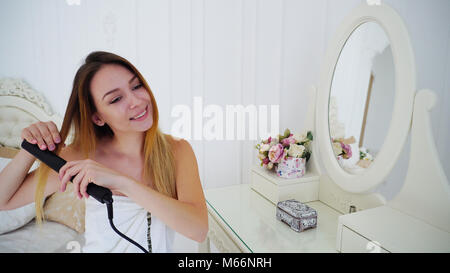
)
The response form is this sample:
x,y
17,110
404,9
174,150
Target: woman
x,y
116,144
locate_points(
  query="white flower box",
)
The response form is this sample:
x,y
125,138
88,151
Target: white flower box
x,y
291,168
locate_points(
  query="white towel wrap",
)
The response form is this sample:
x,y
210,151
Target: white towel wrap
x,y
130,219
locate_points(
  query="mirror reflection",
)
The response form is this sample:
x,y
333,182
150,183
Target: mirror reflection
x,y
361,97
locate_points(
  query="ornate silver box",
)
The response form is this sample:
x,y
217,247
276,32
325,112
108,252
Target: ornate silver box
x,y
297,215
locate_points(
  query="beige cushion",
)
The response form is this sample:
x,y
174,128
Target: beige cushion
x,y
65,208
7,152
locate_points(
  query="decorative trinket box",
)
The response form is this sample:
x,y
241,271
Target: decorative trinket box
x,y
291,167
297,215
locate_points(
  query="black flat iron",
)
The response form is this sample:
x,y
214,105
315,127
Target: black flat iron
x,y
101,194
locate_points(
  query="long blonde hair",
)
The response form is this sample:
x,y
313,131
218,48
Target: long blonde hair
x,y
158,156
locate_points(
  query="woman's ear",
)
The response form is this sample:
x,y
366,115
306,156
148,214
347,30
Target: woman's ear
x,y
97,120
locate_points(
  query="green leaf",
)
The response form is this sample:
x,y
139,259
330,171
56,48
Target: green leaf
x,y
309,136
287,132
307,155
362,155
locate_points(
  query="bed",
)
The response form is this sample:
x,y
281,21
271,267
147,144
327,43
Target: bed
x,y
21,106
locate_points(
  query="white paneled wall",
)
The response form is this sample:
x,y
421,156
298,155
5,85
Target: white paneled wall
x,y
227,52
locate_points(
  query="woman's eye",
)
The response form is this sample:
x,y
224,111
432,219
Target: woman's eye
x,y
134,88
137,86
115,100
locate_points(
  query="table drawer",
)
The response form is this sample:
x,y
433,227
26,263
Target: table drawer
x,y
352,242
220,238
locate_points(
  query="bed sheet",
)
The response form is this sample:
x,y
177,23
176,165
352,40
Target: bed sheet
x,y
51,237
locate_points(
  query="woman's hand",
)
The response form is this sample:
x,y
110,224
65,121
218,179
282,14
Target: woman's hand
x,y
45,134
87,171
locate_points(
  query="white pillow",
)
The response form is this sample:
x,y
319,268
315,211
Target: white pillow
x,y
13,219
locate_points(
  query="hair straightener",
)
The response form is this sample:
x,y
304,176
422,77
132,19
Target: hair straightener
x,y
101,194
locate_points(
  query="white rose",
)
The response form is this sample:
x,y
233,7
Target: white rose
x,y
261,156
264,148
269,165
337,149
296,150
368,157
273,142
300,137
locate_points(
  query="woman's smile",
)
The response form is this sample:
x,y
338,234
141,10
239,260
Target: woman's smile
x,y
143,115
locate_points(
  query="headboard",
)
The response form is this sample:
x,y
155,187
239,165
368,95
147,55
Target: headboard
x,y
20,106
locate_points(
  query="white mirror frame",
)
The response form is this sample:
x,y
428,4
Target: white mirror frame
x,y
405,86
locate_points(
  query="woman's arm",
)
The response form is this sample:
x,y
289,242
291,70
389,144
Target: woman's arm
x,y
12,177
187,215
17,186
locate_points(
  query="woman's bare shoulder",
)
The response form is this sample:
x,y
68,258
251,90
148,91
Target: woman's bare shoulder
x,y
172,138
180,147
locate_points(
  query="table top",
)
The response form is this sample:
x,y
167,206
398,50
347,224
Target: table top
x,y
397,231
252,218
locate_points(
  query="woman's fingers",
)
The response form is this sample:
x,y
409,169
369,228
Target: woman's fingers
x,y
63,169
45,134
80,180
54,132
69,173
26,134
83,185
38,137
77,183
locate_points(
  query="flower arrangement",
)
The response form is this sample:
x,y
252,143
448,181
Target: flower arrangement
x,y
364,154
365,158
343,150
341,147
273,151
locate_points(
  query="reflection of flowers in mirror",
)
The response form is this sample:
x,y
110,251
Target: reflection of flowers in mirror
x,y
365,158
341,147
364,154
348,158
274,150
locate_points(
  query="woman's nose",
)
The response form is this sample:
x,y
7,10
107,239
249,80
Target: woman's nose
x,y
134,101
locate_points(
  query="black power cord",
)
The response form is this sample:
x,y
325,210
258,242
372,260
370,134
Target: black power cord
x,y
110,217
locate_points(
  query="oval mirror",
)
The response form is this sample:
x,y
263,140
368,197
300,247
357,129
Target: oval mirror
x,y
361,97
365,97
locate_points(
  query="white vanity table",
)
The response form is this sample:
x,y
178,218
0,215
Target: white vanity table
x,y
242,218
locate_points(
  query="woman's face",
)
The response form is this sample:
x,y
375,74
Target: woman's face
x,y
121,100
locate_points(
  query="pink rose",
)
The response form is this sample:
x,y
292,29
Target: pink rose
x,y
288,141
276,153
347,150
266,160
